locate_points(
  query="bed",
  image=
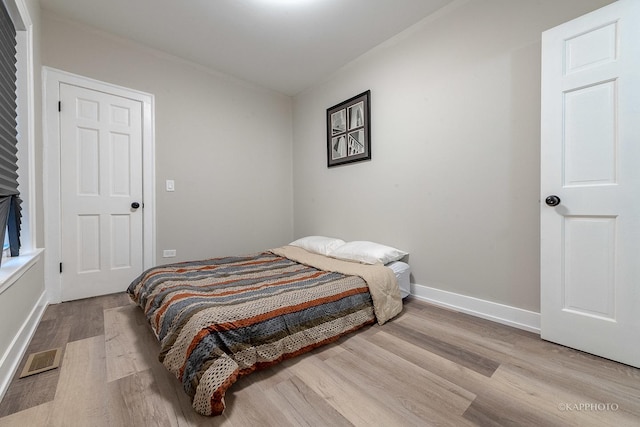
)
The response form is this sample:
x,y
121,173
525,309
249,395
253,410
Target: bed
x,y
222,318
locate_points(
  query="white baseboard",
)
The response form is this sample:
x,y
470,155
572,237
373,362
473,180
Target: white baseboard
x,y
500,313
12,357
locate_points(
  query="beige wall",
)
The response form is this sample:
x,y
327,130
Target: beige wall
x,y
454,177
226,144
16,305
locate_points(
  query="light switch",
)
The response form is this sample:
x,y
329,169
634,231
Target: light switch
x,y
171,185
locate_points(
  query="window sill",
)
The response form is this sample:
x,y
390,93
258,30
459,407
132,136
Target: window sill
x,y
13,268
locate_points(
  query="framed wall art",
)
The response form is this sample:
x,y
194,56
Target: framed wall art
x,y
348,131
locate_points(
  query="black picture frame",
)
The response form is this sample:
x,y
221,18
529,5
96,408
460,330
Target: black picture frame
x,y
349,131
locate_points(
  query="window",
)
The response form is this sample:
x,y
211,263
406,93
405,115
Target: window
x,y
12,268
9,194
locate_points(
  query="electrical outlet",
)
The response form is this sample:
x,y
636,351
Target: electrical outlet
x,y
168,253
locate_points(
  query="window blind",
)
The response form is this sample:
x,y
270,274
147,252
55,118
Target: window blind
x,y
9,194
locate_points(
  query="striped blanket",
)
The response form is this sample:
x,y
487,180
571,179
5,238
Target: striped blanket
x,y
222,318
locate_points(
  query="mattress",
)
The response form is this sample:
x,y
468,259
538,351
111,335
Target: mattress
x,y
223,318
402,270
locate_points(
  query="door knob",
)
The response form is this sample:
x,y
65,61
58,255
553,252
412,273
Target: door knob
x,y
552,200
135,205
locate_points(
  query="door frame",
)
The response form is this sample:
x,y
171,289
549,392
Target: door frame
x,y
51,80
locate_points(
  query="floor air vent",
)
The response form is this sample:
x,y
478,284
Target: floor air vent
x,y
41,362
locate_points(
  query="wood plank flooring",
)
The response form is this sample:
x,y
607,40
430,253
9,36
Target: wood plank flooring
x,y
429,366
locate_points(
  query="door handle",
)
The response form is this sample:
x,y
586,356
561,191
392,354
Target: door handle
x,y
135,205
552,200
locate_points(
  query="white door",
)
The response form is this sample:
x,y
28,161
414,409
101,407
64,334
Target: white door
x,y
101,192
590,240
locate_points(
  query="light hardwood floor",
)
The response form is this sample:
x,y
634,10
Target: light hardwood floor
x,y
429,366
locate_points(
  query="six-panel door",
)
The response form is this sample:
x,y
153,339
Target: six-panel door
x,y
101,177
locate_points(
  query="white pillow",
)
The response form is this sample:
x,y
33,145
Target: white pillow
x,y
368,252
318,244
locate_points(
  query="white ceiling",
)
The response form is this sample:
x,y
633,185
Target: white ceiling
x,y
284,45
